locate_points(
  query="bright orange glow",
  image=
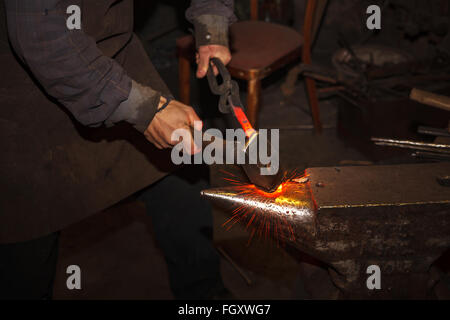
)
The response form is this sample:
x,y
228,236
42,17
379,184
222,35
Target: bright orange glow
x,y
287,201
243,121
276,227
274,194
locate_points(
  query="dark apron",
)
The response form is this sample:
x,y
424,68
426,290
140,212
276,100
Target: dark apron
x,y
53,171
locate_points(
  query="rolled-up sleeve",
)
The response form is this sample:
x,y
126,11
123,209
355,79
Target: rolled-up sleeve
x,y
67,63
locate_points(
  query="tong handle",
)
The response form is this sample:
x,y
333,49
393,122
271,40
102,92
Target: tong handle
x,y
212,79
229,88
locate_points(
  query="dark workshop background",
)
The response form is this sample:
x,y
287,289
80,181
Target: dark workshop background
x,y
116,249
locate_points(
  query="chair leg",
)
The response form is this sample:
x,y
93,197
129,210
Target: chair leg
x,y
184,77
310,13
253,100
314,104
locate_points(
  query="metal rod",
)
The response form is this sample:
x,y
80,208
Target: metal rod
x,y
319,77
431,155
403,146
411,143
433,131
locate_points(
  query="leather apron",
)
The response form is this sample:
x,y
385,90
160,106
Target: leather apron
x,y
53,171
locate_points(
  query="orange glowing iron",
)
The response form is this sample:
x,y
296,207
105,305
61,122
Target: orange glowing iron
x,y
230,102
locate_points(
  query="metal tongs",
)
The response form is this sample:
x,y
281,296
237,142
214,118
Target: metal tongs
x,y
230,102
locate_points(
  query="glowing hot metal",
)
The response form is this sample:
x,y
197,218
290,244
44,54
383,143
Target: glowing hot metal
x,y
275,214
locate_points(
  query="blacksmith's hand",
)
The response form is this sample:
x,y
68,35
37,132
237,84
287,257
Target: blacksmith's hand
x,y
205,53
175,116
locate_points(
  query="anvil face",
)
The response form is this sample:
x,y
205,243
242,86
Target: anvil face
x,y
343,212
275,214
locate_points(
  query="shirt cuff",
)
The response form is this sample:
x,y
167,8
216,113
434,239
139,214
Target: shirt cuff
x,y
139,109
211,29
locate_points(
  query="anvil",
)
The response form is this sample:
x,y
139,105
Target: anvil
x,y
394,217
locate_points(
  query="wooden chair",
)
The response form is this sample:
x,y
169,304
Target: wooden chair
x,y
258,49
313,15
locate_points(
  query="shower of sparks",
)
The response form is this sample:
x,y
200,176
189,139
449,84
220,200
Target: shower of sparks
x,y
262,225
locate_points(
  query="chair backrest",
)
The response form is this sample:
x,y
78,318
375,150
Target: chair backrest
x,y
314,8
254,9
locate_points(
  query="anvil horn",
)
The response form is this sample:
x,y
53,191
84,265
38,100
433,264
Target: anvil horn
x,y
284,213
